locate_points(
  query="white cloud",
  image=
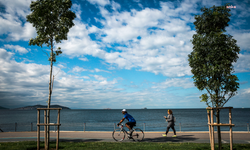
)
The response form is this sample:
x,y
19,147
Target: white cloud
x,y
175,82
246,91
100,78
13,20
19,8
5,55
77,9
16,48
242,38
22,83
242,64
78,69
163,45
83,59
99,2
99,70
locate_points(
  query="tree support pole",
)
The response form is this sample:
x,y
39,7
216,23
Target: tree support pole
x,y
231,130
212,122
209,128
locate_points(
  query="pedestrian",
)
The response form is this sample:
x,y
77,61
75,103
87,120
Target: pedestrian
x,y
170,119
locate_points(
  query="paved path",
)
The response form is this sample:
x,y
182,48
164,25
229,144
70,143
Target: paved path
x,y
101,136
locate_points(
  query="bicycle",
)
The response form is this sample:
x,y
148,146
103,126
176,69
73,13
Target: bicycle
x,y
119,134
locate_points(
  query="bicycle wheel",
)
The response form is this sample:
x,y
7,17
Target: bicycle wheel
x,y
137,134
118,135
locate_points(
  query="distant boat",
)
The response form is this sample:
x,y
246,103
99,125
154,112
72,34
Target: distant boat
x,y
145,108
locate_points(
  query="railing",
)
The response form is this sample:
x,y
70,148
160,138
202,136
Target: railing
x,y
106,126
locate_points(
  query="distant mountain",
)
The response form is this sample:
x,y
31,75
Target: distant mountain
x,y
40,106
3,108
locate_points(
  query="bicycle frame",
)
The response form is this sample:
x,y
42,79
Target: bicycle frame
x,y
119,134
122,128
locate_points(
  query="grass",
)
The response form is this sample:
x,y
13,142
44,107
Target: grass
x,y
31,145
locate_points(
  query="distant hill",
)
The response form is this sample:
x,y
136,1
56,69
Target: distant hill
x,y
40,106
3,107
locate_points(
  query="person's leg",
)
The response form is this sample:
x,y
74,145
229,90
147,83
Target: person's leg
x,y
167,130
174,131
128,127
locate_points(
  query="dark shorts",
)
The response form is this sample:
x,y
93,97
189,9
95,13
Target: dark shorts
x,y
131,124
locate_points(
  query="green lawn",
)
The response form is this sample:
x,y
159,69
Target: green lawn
x,y
117,145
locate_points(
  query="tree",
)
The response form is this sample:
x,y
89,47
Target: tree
x,y
52,20
212,58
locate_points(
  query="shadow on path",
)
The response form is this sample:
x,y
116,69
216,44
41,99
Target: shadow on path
x,y
181,138
78,140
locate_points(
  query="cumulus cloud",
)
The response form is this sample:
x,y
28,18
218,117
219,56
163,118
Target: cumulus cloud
x,y
100,2
175,82
78,69
13,20
154,40
243,63
83,59
246,91
16,48
21,82
149,39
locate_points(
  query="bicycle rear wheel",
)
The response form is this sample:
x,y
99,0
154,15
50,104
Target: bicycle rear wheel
x,y
137,134
118,135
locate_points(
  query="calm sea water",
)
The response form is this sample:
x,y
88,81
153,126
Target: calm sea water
x,y
104,120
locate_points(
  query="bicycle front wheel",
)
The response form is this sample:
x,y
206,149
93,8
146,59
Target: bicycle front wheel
x,y
118,135
137,134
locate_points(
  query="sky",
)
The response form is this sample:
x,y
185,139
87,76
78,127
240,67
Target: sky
x,y
119,54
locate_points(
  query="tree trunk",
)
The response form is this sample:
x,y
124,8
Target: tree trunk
x,y
218,128
50,93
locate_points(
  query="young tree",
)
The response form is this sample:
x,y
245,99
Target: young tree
x,y
212,59
52,20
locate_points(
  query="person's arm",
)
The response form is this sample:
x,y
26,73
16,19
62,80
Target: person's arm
x,y
121,121
170,118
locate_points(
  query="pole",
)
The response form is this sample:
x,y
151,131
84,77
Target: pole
x,y
247,127
45,130
84,126
144,126
38,130
212,122
15,126
31,126
58,122
209,128
55,128
180,126
231,130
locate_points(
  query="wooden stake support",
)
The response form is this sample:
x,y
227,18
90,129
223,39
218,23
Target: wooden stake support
x,y
211,125
45,124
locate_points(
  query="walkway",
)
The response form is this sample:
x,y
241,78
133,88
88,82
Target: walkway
x,y
101,136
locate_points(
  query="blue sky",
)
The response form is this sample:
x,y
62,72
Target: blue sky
x,y
120,54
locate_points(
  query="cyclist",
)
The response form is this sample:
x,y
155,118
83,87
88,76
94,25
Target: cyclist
x,y
131,121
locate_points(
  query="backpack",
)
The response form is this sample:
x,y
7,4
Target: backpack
x,y
174,118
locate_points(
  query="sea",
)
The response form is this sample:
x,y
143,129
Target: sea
x,y
106,119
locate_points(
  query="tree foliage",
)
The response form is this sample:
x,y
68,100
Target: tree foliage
x,y
52,20
213,55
